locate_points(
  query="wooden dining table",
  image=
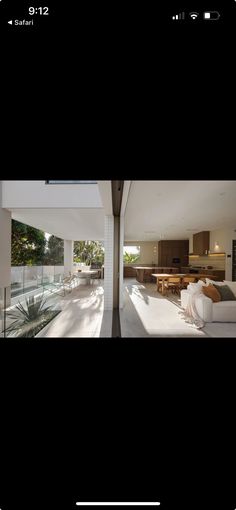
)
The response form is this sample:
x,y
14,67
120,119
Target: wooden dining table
x,y
164,277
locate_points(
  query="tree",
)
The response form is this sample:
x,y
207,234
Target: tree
x,y
89,252
28,245
55,252
130,258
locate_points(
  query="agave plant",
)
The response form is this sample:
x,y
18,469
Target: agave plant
x,y
27,321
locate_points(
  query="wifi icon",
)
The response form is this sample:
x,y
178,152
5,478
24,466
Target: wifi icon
x,y
194,15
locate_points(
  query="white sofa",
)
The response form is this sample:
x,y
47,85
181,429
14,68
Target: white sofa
x,y
224,311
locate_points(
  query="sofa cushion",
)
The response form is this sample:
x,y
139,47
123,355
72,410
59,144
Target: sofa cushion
x,y
224,311
195,287
225,292
225,305
231,285
212,292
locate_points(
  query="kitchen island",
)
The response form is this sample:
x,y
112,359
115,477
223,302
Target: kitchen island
x,y
219,273
144,273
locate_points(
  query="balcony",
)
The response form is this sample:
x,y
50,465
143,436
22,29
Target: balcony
x,y
41,303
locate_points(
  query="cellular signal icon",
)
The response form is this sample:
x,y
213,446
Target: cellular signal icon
x,y
181,15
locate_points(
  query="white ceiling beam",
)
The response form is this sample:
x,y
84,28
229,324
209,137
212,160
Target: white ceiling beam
x,y
126,189
105,191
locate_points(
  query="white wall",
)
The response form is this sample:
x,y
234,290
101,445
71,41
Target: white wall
x,y
147,255
16,194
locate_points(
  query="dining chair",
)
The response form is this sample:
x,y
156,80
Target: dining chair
x,y
173,284
159,285
67,282
186,280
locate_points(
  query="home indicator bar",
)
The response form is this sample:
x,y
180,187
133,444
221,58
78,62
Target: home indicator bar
x,y
115,503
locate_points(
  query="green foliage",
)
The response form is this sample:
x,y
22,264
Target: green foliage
x,y
28,245
29,320
55,252
130,258
89,252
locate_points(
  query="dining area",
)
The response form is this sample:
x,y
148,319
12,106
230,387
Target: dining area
x,y
169,282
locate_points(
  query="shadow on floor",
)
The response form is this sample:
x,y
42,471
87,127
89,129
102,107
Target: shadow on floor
x,y
131,320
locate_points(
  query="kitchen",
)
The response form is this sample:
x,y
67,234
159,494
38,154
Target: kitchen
x,y
175,256
203,260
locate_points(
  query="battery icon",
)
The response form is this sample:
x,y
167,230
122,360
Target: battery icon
x,y
212,15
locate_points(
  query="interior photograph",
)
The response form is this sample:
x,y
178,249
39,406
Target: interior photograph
x,y
139,258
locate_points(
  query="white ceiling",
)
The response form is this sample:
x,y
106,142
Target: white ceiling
x,y
168,209
71,224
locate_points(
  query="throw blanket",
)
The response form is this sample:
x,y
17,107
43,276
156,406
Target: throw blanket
x,y
190,314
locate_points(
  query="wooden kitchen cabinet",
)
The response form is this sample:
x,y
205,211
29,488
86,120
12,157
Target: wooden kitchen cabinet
x,y
220,274
201,242
170,250
129,272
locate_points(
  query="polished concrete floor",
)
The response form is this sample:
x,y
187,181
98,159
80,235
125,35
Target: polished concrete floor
x,y
146,313
82,314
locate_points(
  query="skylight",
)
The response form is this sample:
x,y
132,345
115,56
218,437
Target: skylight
x,y
71,182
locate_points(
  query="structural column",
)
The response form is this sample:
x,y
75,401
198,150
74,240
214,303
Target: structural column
x,y
68,257
121,271
5,254
108,261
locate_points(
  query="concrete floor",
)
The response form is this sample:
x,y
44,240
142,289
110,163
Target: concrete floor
x,y
147,313
82,314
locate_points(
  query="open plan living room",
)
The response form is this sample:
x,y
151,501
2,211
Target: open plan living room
x,y
179,259
138,258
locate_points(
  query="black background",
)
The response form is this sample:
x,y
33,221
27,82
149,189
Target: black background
x,y
113,20
118,419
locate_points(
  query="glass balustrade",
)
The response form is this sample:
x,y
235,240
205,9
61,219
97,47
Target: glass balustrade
x,y
27,314
27,279
34,298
